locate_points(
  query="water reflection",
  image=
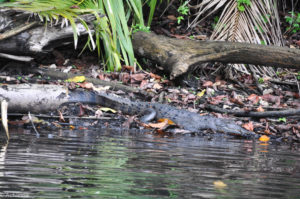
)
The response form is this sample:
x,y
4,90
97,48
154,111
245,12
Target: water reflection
x,y
120,164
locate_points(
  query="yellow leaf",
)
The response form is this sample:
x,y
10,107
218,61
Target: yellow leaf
x,y
105,109
219,184
159,125
264,138
76,79
200,94
169,122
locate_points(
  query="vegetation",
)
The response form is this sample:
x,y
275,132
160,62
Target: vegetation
x,y
294,22
252,21
183,10
111,24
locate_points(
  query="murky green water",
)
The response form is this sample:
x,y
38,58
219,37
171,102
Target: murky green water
x,y
111,164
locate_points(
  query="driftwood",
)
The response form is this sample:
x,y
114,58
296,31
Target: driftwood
x,y
177,56
29,40
38,40
34,98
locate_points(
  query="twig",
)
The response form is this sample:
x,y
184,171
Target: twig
x,y
30,118
256,79
17,30
17,58
284,83
284,113
297,84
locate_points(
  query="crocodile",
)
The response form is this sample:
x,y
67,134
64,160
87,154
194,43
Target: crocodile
x,y
43,98
183,118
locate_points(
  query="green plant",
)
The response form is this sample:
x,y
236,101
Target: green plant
x,y
179,19
294,21
139,27
152,6
242,4
282,119
216,19
183,10
110,27
298,76
261,80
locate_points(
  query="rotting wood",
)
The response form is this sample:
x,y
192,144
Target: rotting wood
x,y
178,56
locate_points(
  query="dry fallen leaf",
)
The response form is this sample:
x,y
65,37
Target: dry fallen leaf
x,y
260,109
249,126
72,127
86,85
157,86
105,109
219,184
253,98
125,78
264,138
172,17
217,100
160,125
200,94
272,98
137,77
144,84
157,77
170,122
101,88
208,84
130,68
76,79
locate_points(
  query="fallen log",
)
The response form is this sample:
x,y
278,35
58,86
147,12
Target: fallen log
x,y
178,56
44,98
277,114
33,39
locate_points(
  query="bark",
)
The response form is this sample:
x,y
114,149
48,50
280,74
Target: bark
x,y
177,56
38,40
33,39
33,97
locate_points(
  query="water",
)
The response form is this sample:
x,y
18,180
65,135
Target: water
x,y
116,164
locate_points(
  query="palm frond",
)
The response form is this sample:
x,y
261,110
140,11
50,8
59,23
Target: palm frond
x,y
50,11
259,23
110,27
